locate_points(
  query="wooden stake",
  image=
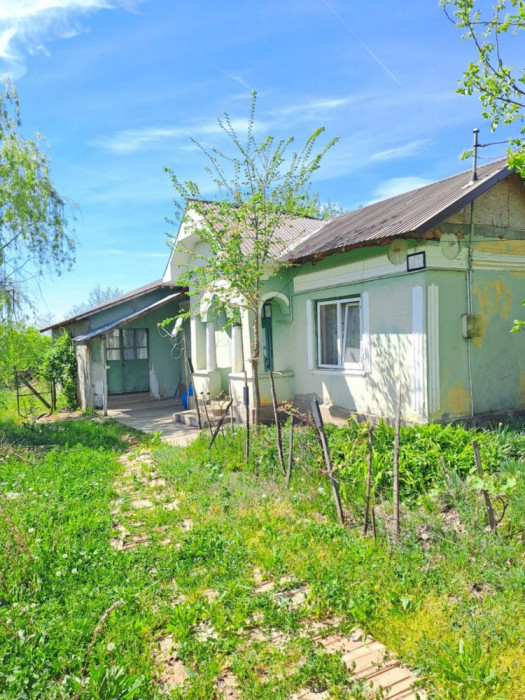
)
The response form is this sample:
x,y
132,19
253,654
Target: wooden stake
x,y
246,397
190,370
327,459
277,424
373,519
219,424
207,414
231,405
396,467
368,477
290,454
490,511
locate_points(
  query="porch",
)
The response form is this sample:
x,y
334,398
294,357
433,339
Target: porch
x,y
143,412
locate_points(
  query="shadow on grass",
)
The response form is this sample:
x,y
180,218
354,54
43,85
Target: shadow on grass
x,y
84,431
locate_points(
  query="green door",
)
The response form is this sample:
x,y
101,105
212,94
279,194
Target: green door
x,y
127,359
267,337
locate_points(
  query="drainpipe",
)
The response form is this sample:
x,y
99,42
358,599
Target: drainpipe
x,y
469,305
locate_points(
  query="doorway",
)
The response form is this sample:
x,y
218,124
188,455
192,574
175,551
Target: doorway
x,y
127,359
267,337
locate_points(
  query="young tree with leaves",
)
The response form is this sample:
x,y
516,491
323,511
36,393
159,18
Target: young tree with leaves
x,y
34,234
261,187
494,31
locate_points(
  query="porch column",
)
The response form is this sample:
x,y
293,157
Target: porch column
x,y
211,350
104,375
237,359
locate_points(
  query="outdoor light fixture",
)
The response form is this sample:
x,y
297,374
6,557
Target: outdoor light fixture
x,y
416,261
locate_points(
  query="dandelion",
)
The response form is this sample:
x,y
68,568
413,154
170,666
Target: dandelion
x,y
31,529
74,571
111,646
59,573
64,556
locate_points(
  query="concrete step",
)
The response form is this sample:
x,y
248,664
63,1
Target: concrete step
x,y
190,418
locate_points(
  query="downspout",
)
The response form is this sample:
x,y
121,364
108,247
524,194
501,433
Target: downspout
x,y
469,305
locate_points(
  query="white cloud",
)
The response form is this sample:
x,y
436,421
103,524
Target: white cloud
x,y
408,149
317,106
140,139
397,185
26,25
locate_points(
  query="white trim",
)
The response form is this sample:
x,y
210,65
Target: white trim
x,y
274,295
309,334
495,261
341,305
418,349
366,346
433,347
340,371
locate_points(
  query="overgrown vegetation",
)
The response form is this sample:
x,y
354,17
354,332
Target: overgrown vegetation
x,y
61,367
448,600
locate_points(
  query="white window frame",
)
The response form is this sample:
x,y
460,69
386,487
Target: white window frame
x,y
341,335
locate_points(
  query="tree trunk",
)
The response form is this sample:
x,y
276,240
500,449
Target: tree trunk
x,y
255,372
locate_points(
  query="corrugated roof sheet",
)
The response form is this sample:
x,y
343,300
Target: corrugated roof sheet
x,y
125,319
291,231
134,294
412,213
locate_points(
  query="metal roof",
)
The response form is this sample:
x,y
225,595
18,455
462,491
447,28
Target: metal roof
x,y
411,214
125,319
134,294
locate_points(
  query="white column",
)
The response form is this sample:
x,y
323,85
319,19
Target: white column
x,y
211,350
104,376
197,354
433,348
418,349
236,354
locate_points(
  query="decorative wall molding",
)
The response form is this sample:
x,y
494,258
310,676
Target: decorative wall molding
x,y
310,333
366,347
418,348
433,347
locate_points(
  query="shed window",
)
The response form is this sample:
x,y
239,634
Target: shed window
x,y
339,335
135,341
113,345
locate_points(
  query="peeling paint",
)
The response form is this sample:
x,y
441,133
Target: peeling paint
x,y
456,401
493,298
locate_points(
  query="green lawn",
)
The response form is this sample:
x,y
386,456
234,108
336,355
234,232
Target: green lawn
x,y
87,519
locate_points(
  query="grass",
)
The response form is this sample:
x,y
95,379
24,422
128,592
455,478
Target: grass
x,y
449,600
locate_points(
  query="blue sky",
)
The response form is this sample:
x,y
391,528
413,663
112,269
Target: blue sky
x,y
118,87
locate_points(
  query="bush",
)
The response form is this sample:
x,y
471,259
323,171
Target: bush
x,y
61,366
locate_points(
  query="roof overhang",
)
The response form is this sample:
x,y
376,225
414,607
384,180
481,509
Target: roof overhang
x,y
116,323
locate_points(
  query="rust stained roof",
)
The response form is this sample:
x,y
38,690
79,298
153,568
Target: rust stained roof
x,y
413,213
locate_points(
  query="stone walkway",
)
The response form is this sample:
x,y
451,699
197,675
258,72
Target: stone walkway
x,y
142,494
141,412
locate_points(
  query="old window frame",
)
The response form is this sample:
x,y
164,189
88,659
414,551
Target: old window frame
x,y
341,306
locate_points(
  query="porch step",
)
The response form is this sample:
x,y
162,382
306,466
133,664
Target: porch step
x,y
190,418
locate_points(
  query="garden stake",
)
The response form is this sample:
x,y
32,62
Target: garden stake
x,y
246,397
290,454
396,467
206,413
373,520
326,454
219,424
277,424
490,511
368,477
231,405
190,370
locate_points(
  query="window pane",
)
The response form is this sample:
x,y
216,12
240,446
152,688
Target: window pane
x,y
129,354
142,353
141,338
352,349
328,334
129,338
113,354
113,339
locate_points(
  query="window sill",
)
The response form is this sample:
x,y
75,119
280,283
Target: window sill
x,y
355,372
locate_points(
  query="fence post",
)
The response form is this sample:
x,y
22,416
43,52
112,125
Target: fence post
x,y
277,425
327,459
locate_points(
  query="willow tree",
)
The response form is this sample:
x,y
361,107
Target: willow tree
x,y
34,234
261,187
494,32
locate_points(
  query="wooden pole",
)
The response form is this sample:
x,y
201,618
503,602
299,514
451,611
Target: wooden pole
x,y
246,397
327,459
17,386
277,424
104,375
488,504
190,370
396,467
290,454
219,424
231,405
373,519
207,414
368,477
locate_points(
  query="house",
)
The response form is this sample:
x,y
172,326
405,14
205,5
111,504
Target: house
x,y
417,292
